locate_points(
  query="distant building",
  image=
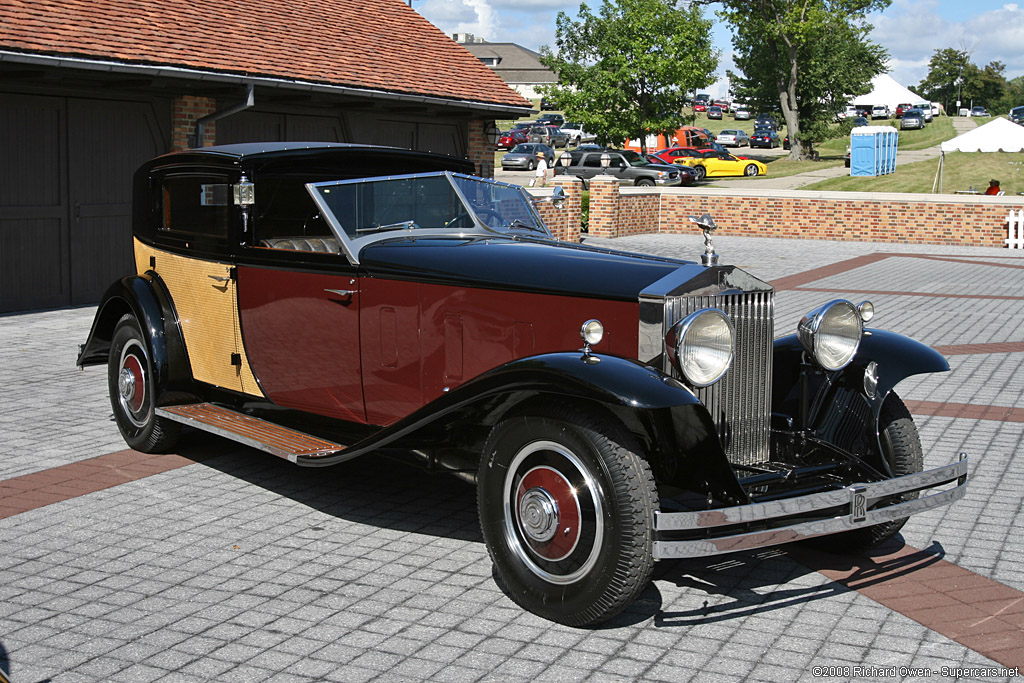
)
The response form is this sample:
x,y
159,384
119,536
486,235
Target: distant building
x,y
515,64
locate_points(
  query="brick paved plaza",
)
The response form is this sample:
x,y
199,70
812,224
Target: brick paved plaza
x,y
222,563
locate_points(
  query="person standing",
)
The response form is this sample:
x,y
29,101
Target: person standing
x,y
542,171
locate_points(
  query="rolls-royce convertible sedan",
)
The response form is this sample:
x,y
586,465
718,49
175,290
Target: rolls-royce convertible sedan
x,y
323,302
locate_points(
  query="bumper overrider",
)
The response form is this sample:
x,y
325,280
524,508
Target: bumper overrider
x,y
756,525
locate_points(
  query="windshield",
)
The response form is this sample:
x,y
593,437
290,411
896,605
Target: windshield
x,y
634,158
435,204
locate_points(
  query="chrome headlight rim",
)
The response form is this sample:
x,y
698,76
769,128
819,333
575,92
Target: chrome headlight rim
x,y
831,334
680,334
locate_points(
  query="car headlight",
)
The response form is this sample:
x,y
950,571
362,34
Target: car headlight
x,y
832,333
701,346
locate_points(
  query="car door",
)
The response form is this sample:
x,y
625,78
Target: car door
x,y
299,303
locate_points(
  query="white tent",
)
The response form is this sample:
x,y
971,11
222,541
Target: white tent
x,y
998,135
885,90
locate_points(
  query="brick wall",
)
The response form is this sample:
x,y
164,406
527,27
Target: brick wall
x,y
481,153
847,216
564,222
186,110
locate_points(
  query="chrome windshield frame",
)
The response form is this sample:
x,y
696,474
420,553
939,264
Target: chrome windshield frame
x,y
352,247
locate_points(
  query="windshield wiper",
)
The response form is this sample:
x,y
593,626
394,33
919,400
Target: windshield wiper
x,y
401,225
516,223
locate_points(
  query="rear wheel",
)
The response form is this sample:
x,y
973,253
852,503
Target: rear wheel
x,y
567,511
133,391
700,171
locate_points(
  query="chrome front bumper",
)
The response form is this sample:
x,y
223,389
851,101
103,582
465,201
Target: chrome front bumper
x,y
856,499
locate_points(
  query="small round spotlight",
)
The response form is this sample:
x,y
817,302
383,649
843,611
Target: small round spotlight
x,y
592,332
867,310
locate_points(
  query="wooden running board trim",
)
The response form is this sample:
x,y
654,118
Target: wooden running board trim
x,y
252,431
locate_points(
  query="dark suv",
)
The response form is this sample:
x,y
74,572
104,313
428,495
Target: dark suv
x,y
626,166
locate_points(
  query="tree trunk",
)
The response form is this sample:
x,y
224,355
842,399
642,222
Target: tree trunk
x,y
787,99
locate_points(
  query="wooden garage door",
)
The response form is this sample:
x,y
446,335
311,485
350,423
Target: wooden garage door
x,y
65,195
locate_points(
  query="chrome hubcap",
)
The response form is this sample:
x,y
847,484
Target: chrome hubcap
x,y
538,511
126,384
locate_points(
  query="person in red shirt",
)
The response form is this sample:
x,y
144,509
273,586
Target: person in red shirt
x,y
993,187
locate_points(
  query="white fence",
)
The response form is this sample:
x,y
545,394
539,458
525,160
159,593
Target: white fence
x,y
1015,230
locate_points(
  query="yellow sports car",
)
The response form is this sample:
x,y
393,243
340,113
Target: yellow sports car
x,y
713,164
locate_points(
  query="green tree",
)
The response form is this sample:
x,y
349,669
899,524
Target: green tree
x,y
626,71
1013,96
783,43
946,74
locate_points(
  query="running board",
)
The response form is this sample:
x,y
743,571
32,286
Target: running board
x,y
251,431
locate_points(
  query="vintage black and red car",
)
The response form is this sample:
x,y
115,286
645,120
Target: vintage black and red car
x,y
323,301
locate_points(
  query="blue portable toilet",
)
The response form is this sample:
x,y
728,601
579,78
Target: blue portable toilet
x,y
873,150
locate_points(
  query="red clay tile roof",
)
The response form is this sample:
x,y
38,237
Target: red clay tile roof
x,y
374,44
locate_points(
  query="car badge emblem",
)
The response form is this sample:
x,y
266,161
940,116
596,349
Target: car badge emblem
x,y
707,224
858,504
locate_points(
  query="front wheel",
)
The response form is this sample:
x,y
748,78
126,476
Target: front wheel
x,y
750,170
133,391
901,447
644,182
567,512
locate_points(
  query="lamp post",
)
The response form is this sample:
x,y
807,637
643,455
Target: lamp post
x,y
564,162
606,161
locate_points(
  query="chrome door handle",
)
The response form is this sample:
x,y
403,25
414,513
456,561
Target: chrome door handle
x,y
341,292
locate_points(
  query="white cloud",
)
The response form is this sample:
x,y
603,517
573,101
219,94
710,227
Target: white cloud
x,y
461,16
912,30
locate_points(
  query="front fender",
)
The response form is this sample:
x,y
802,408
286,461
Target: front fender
x,y
837,405
678,435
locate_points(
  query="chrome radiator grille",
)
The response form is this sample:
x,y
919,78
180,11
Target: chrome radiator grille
x,y
740,403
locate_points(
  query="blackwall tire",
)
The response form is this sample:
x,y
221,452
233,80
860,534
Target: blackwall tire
x,y
133,391
567,508
699,170
750,170
901,446
645,182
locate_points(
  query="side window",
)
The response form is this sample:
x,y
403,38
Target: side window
x,y
592,161
194,205
288,218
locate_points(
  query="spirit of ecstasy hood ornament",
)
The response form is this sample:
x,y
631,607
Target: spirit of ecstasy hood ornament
x,y
707,224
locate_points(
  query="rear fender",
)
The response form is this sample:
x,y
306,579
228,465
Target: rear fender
x,y
145,297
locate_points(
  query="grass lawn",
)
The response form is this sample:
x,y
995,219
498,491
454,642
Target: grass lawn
x,y
961,171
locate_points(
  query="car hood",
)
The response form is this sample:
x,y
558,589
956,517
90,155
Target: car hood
x,y
520,264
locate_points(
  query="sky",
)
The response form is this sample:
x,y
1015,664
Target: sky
x,y
911,30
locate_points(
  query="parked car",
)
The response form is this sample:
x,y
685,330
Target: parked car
x,y
861,121
546,104
577,135
687,175
511,138
1017,115
723,105
765,137
849,111
978,110
326,302
864,110
722,164
912,118
683,155
523,157
733,137
715,112
901,108
880,111
700,106
628,167
524,125
926,110
769,120
557,120
741,113
549,135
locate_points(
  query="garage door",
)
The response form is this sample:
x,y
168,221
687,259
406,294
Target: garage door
x,y
65,196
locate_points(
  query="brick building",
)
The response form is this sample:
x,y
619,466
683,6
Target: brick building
x,y
91,89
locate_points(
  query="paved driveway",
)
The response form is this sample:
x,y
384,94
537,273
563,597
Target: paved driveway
x,y
221,563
